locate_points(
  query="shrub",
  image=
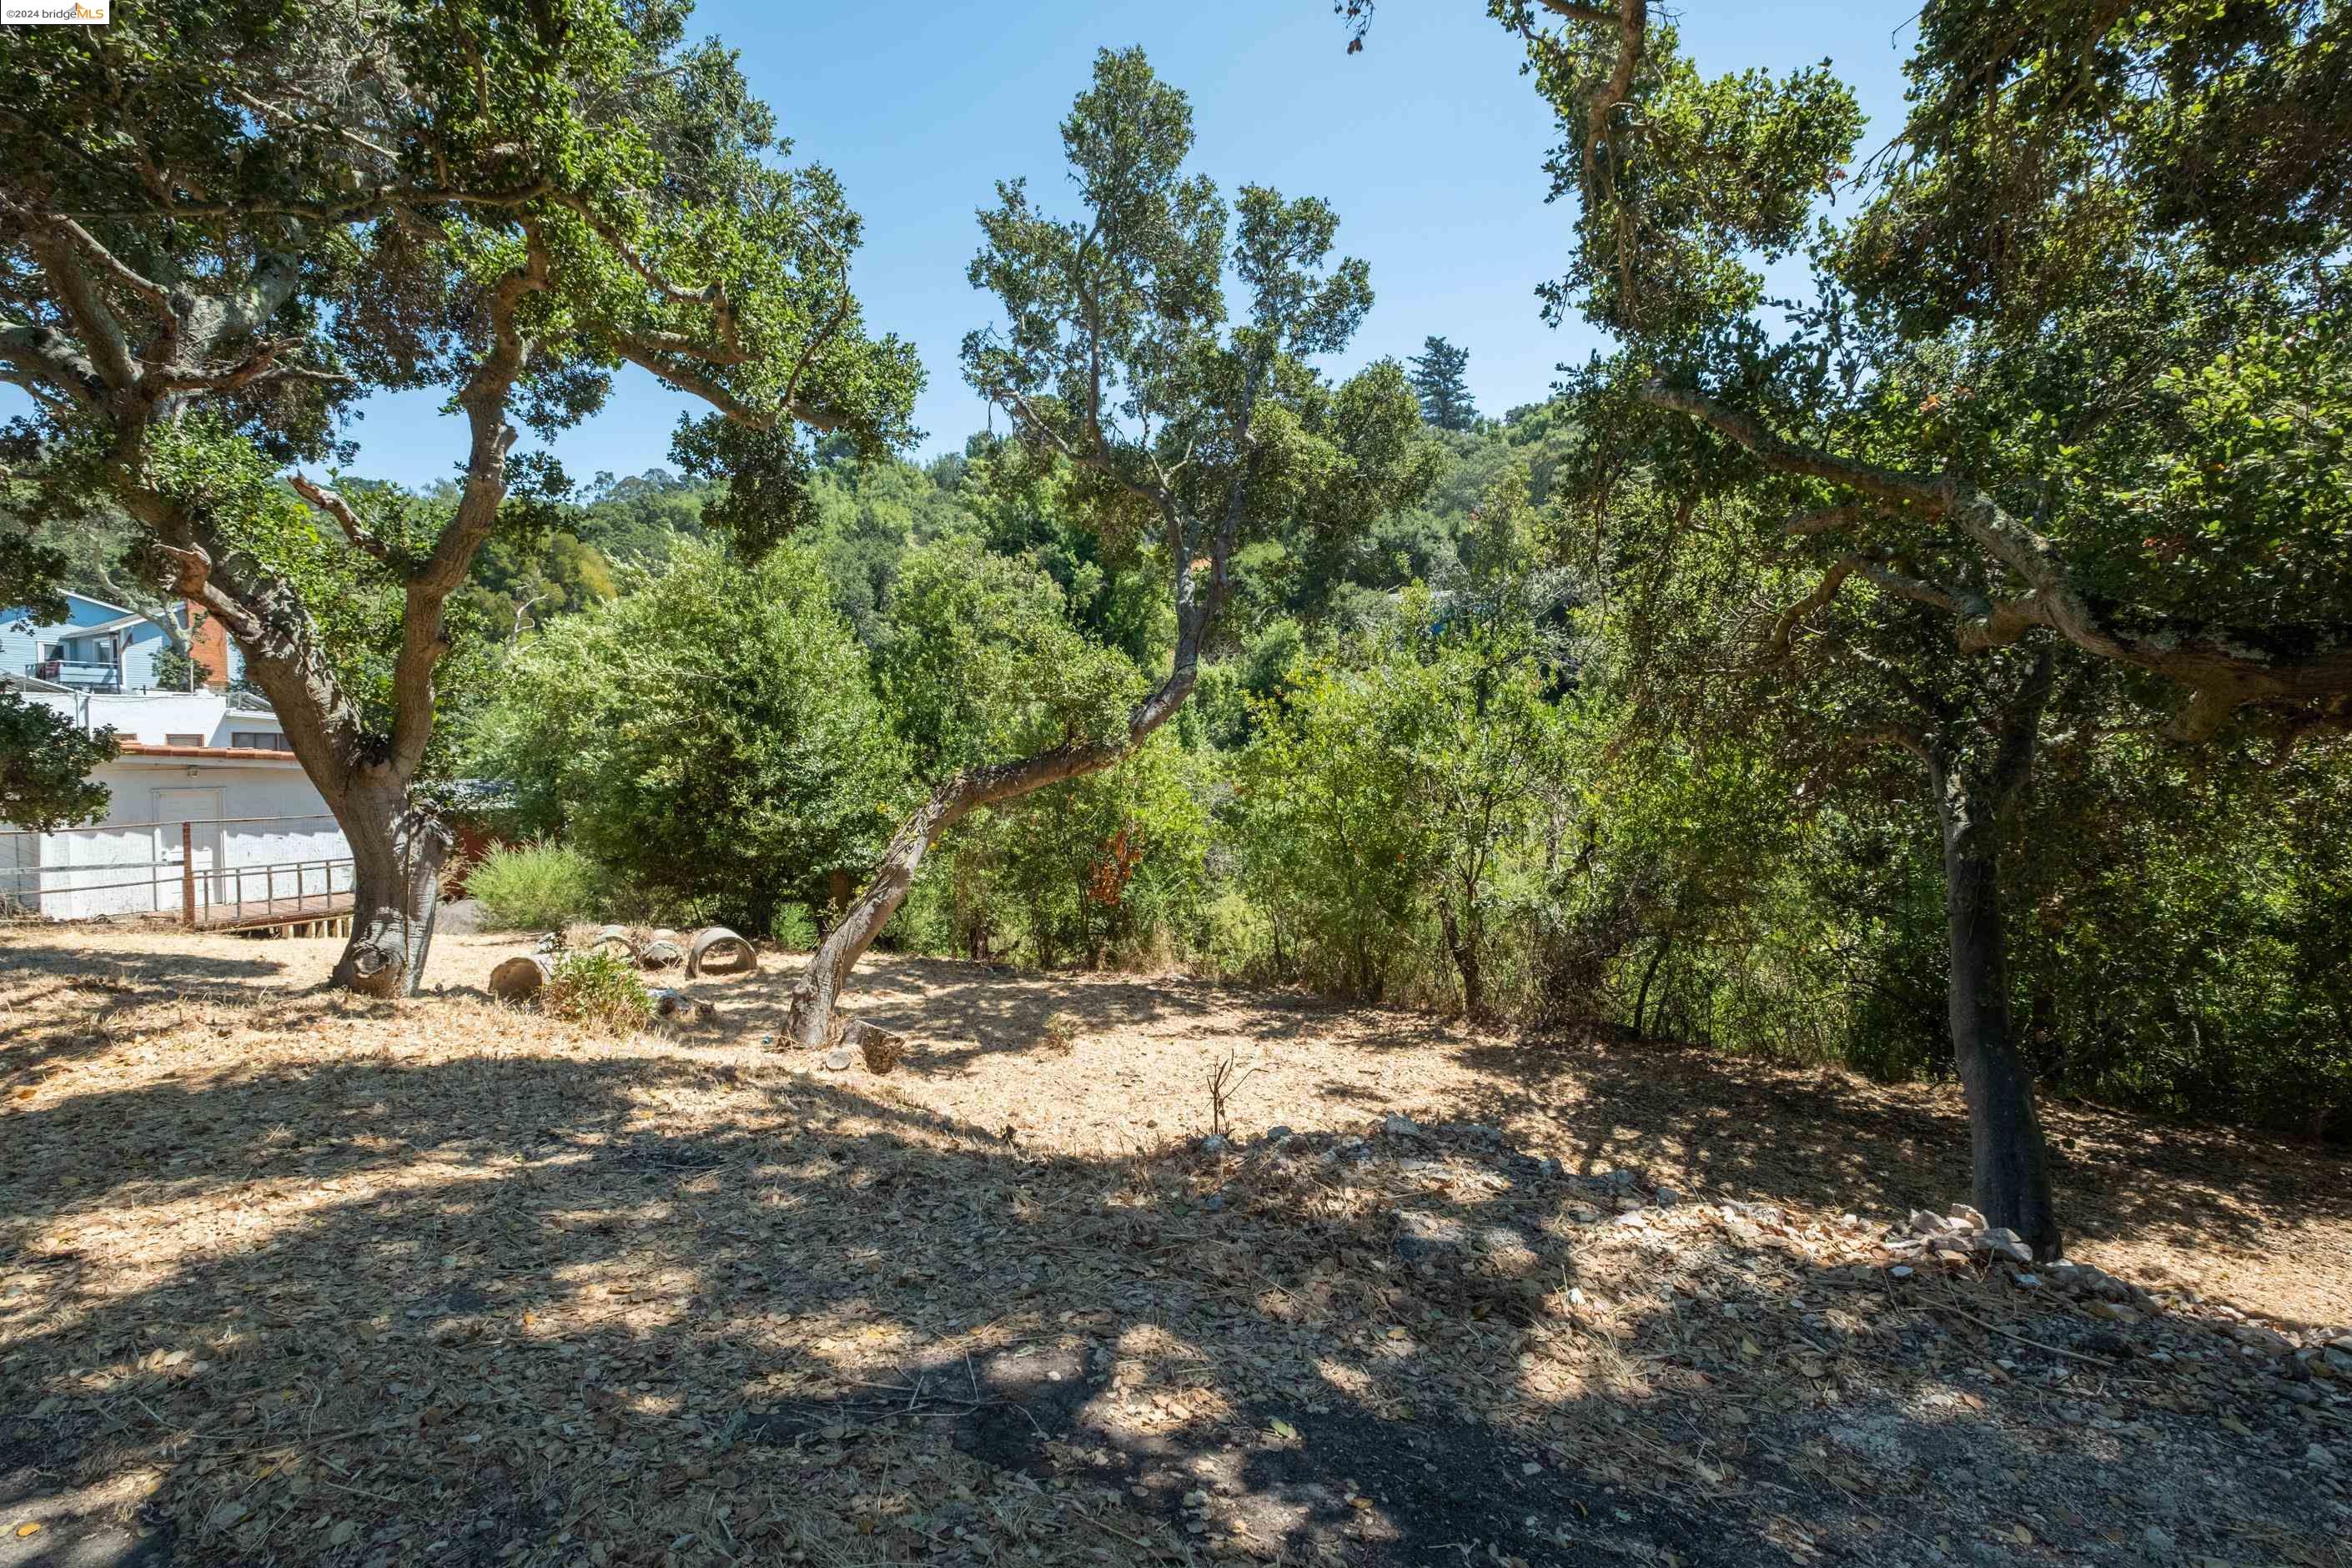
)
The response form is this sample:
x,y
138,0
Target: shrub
x,y
535,886
710,738
795,927
599,988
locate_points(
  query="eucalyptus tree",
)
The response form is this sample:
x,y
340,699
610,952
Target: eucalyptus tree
x,y
1183,433
2061,420
224,225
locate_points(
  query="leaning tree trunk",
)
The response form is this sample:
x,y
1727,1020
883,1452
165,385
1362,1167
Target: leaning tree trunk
x,y
1642,997
398,849
2011,1160
809,1020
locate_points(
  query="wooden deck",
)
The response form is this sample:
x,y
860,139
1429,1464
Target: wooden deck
x,y
288,910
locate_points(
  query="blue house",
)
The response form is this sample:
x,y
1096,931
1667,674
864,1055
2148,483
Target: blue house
x,y
98,647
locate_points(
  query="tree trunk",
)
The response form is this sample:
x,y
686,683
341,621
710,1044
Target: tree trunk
x,y
1642,999
2011,1161
2013,1166
1464,946
809,1021
397,851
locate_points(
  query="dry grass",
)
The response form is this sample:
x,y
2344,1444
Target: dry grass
x,y
364,1283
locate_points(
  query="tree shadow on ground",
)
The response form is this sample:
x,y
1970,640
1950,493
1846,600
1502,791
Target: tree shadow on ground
x,y
1736,1127
2220,1212
966,1010
568,1300
110,983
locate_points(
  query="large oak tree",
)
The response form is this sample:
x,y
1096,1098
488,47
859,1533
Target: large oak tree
x,y
2061,418
223,225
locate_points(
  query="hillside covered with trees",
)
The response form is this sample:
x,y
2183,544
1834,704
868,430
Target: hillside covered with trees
x,y
1415,773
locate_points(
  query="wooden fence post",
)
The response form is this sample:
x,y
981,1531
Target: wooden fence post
x,y
188,875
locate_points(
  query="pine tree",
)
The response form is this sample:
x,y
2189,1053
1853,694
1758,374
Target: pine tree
x,y
1439,378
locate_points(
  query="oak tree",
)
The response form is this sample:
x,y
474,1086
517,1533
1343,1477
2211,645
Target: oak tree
x,y
2061,420
1183,433
227,224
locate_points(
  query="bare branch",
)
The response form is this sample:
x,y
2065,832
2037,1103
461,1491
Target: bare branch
x,y
423,633
45,355
817,339
1093,457
38,389
713,294
142,603
361,537
114,266
1785,626
376,202
77,293
1901,736
1828,520
654,340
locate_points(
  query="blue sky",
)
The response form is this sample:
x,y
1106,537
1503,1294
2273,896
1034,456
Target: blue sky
x,y
1428,143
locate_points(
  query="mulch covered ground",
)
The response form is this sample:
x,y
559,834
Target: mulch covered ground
x,y
287,1277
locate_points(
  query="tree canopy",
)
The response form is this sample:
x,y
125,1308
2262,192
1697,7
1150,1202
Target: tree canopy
x,y
227,224
1440,379
2053,448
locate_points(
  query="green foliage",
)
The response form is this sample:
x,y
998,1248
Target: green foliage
x,y
1186,433
2065,411
709,739
599,988
1034,505
33,570
866,517
232,224
1106,868
1396,796
1681,180
978,662
794,926
635,521
537,885
1326,834
45,763
1441,381
2050,143
517,582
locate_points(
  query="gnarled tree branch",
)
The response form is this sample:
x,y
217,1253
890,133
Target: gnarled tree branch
x,y
2224,668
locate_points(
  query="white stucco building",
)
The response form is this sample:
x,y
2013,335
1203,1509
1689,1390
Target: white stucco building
x,y
209,809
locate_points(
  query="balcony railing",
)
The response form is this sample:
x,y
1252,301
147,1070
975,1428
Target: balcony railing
x,y
83,677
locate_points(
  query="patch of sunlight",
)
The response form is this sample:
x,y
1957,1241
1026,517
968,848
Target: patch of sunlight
x,y
1352,1381
143,1242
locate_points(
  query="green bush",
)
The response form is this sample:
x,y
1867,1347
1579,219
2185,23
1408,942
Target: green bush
x,y
795,927
540,885
710,739
599,988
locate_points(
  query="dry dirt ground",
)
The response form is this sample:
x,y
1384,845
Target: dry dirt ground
x,y
287,1276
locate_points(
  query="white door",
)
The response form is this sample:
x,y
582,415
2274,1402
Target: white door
x,y
201,810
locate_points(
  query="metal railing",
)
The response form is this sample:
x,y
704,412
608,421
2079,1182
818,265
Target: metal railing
x,y
81,677
302,903
203,891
